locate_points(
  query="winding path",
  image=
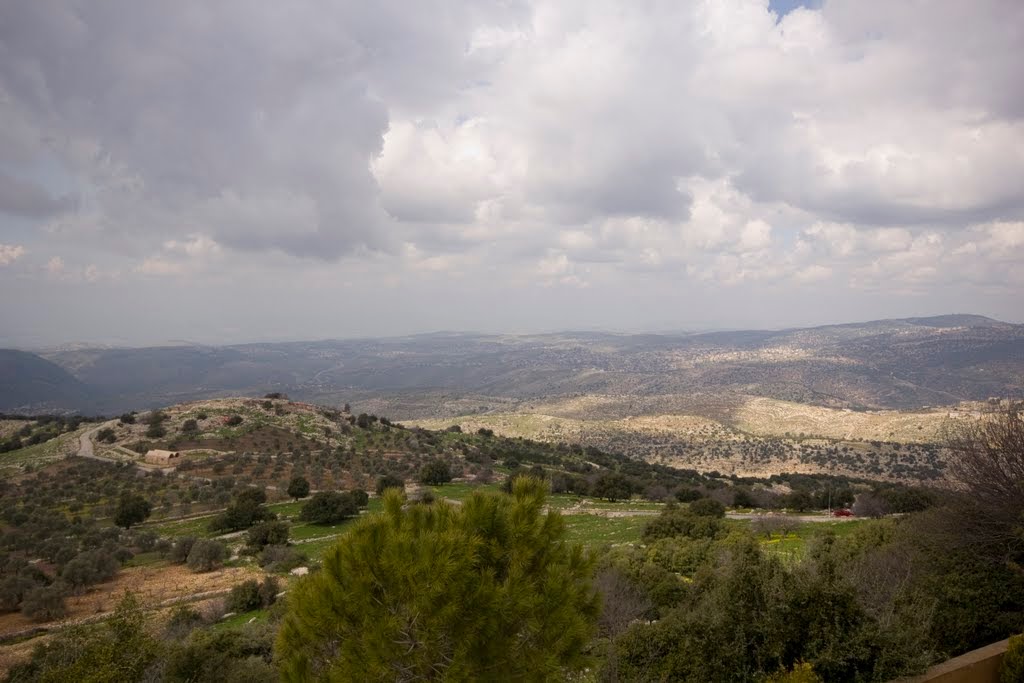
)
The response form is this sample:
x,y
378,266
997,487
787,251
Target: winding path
x,y
85,444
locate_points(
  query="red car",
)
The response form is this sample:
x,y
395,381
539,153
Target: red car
x,y
842,512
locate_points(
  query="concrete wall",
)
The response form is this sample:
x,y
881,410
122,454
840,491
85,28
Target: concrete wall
x,y
978,666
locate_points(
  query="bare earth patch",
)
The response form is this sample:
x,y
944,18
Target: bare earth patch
x,y
153,585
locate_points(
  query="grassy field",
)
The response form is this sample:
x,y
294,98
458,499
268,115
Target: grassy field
x,y
145,559
587,522
594,530
588,529
460,490
315,549
564,502
42,453
195,526
794,544
241,619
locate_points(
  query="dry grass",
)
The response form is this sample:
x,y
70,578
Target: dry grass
x,y
154,585
10,427
755,437
770,417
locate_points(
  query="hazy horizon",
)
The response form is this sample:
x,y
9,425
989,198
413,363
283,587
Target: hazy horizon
x,y
683,330
228,173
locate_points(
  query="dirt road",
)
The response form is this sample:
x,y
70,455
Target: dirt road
x,y
797,518
85,444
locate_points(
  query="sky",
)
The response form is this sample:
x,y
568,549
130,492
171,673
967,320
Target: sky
x,y
239,171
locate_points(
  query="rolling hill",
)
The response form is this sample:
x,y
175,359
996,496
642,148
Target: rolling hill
x,y
906,363
32,384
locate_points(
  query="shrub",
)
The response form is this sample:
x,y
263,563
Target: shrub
x,y
676,521
89,567
12,590
119,650
44,603
182,547
146,541
183,620
244,597
800,673
246,510
298,487
189,426
707,507
234,421
435,473
686,494
163,546
156,431
389,481
127,419
233,655
131,509
1013,661
106,435
280,558
267,533
269,588
612,486
206,555
329,507
251,594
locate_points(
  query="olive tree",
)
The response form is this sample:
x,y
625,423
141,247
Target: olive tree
x,y
298,487
131,509
205,555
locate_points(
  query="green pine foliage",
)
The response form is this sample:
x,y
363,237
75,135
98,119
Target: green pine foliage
x,y
488,590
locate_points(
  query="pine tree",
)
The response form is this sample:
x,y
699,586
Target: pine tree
x,y
489,590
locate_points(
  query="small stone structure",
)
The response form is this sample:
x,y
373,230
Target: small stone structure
x,y
163,458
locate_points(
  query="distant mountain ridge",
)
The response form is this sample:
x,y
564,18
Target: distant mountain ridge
x,y
33,384
898,363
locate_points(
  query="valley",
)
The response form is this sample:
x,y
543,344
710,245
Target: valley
x,y
635,438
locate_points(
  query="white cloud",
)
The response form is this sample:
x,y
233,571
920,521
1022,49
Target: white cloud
x,y
812,273
9,253
650,145
159,266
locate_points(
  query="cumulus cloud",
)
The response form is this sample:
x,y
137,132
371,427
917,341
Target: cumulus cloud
x,y
852,143
55,266
9,253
